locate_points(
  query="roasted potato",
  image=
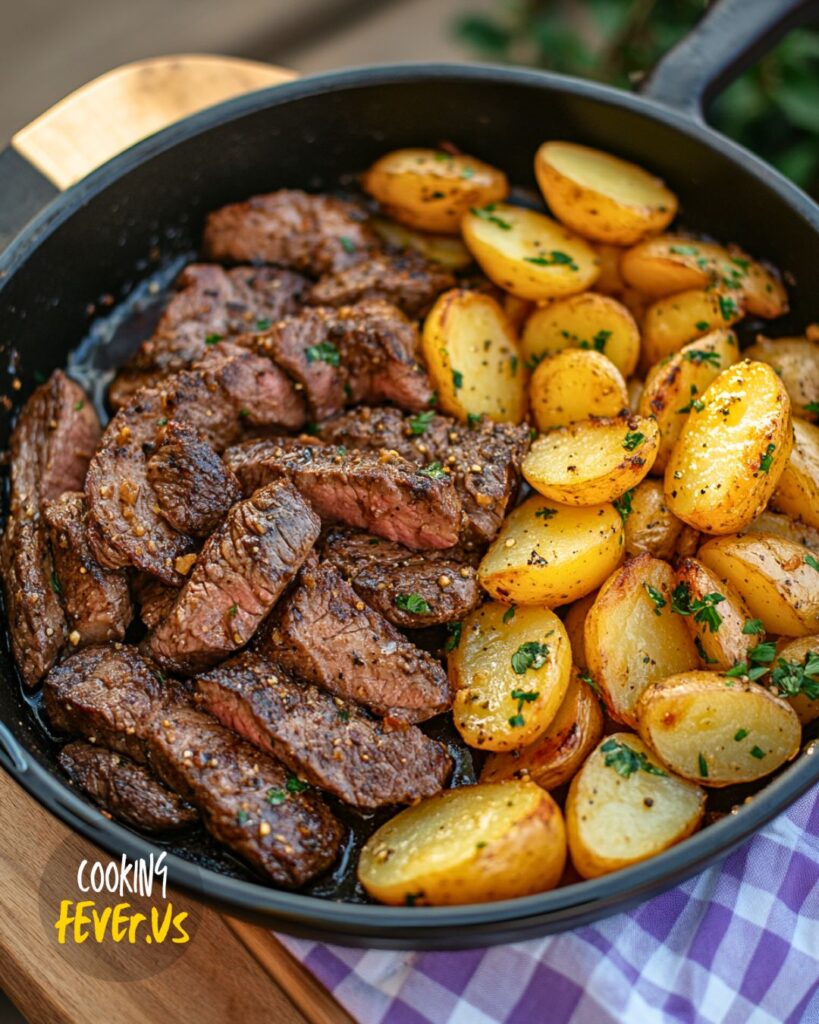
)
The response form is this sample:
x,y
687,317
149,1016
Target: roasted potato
x,y
796,360
715,614
574,385
474,844
574,622
510,671
624,807
472,357
635,302
797,493
552,554
556,756
673,387
731,451
634,389
593,461
795,676
674,321
431,190
650,527
633,637
777,579
517,310
667,264
609,282
527,253
717,730
601,196
446,250
784,526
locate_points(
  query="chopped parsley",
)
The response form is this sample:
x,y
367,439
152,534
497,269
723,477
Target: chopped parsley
x,y
508,615
411,898
753,627
695,403
684,250
454,629
263,325
213,339
412,603
757,752
633,440
623,505
740,734
703,653
434,471
295,785
324,352
513,364
702,608
767,458
522,697
457,379
702,325
656,597
473,419
244,413
587,677
242,818
79,404
531,654
545,513
700,356
811,407
275,796
344,714
727,306
347,244
233,611
556,258
812,562
55,583
598,342
467,173
760,658
163,422
792,677
703,766
625,760
419,424
488,214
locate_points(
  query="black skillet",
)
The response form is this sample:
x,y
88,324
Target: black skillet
x,y
65,250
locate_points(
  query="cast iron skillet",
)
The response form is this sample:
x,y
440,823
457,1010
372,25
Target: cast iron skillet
x,y
66,250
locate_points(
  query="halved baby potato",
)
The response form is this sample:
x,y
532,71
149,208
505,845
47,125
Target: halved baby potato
x,y
715,614
575,385
556,756
592,461
431,190
510,671
674,321
528,253
552,554
575,623
797,493
731,450
587,321
717,731
609,282
650,526
474,844
795,676
472,357
796,360
446,250
601,196
624,807
780,525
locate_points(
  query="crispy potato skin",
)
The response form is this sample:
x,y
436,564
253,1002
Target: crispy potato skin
x,y
797,493
726,645
610,281
794,652
573,385
675,321
784,526
474,844
651,527
773,577
445,250
614,821
574,622
796,360
692,722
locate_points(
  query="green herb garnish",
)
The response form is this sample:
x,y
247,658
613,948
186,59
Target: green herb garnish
x,y
556,258
324,352
700,356
418,424
347,244
531,654
213,339
454,629
753,627
623,505
508,615
740,734
412,603
767,458
656,597
703,766
487,213
275,796
633,440
434,471
625,760
295,785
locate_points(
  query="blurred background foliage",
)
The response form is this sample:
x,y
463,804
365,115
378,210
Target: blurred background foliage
x,y
772,109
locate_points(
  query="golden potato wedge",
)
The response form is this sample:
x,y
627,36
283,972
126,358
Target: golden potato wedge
x,y
673,387
731,450
593,461
610,281
650,527
430,190
777,579
510,671
527,253
587,321
601,196
717,730
472,357
795,676
556,756
796,360
446,250
474,844
797,493
715,614
624,807
551,554
574,622
784,526
574,385
633,637
674,321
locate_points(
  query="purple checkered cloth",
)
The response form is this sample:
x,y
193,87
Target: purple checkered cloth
x,y
737,944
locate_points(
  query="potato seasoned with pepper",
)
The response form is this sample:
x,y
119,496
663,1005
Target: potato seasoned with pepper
x,y
795,676
796,360
472,357
527,253
784,526
675,321
624,807
574,385
650,527
431,190
474,844
601,196
593,461
717,730
551,554
797,493
510,671
446,250
575,622
731,450
718,620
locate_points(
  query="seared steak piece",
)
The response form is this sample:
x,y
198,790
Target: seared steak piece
x,y
54,438
125,789
324,633
97,601
246,798
410,588
238,577
155,598
323,740
483,459
312,233
193,488
382,493
406,280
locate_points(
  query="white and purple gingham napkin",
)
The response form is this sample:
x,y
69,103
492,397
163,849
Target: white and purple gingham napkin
x,y
737,944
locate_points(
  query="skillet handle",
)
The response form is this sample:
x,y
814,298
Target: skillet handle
x,y
728,39
108,116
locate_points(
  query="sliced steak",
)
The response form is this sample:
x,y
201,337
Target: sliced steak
x,y
483,459
193,487
124,789
409,588
155,598
378,492
96,600
322,739
238,577
407,280
313,233
246,798
324,633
